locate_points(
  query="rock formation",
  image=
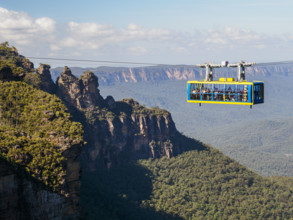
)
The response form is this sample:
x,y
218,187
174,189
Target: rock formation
x,y
81,93
115,131
47,83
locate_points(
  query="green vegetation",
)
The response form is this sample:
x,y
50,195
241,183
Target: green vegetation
x,y
34,126
32,79
194,185
125,108
15,67
143,110
12,62
209,185
98,113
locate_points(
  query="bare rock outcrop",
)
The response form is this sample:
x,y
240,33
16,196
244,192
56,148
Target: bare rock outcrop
x,y
81,93
47,83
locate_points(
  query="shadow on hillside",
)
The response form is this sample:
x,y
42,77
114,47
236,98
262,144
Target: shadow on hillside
x,y
117,193
185,143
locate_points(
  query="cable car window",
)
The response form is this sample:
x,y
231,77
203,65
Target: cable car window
x,y
245,94
192,91
195,91
228,92
221,90
215,92
207,92
233,93
258,93
240,91
261,91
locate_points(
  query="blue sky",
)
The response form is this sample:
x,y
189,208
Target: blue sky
x,y
166,31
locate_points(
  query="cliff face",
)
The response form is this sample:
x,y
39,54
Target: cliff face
x,y
116,130
130,135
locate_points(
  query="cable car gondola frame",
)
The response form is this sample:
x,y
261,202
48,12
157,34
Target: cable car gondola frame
x,y
225,90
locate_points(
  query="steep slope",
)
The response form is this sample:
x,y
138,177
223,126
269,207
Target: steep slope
x,y
39,150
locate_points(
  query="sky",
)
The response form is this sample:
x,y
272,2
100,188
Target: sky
x,y
161,31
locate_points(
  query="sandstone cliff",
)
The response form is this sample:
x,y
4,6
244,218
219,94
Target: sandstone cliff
x,y
116,131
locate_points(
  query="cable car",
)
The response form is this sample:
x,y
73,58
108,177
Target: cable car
x,y
225,90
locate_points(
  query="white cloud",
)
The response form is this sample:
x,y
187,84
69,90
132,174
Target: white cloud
x,y
43,36
20,28
233,36
137,50
180,49
133,31
90,29
47,25
92,36
54,47
237,34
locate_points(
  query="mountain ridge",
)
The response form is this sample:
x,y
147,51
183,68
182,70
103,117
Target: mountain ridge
x,y
114,75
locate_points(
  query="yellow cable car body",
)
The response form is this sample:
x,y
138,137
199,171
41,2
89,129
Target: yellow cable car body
x,y
225,91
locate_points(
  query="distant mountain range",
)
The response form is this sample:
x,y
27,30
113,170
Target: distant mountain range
x,y
114,75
